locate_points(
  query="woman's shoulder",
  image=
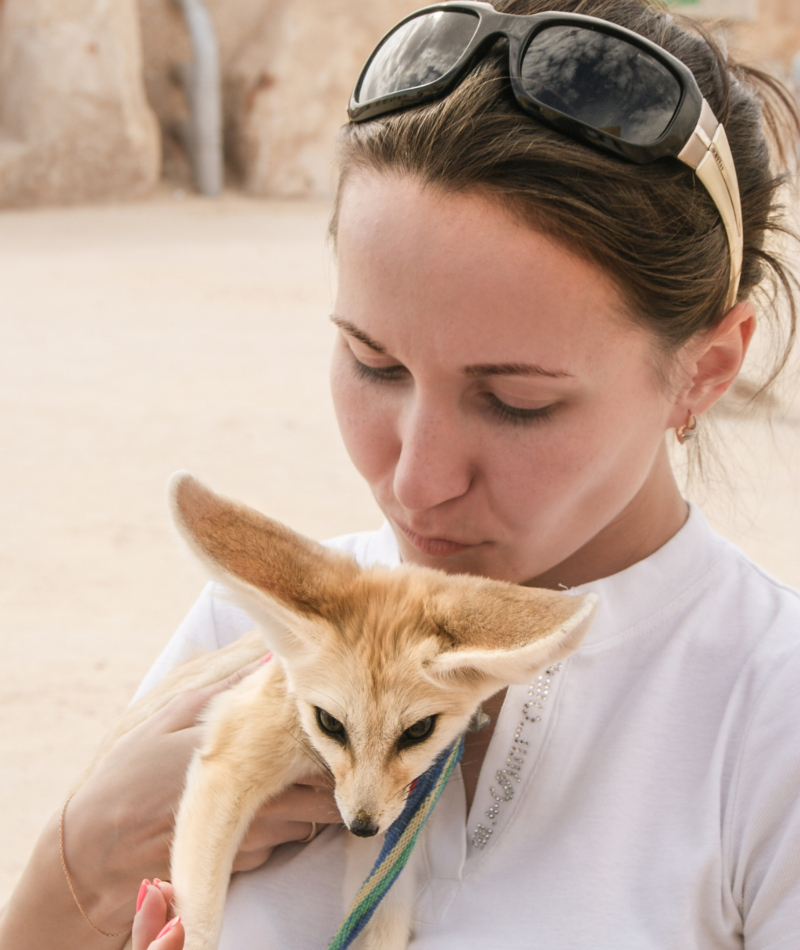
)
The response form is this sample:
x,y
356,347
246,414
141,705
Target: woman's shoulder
x,y
701,601
762,608
742,622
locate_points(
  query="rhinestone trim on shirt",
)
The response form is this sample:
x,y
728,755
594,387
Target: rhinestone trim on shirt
x,y
538,692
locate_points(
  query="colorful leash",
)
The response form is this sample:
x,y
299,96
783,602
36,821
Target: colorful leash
x,y
398,845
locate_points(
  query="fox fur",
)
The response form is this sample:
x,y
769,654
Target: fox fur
x,y
378,650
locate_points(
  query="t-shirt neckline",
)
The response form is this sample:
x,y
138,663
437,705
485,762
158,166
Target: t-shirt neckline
x,y
632,595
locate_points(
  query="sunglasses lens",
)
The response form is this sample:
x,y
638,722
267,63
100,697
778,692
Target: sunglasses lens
x,y
601,80
417,53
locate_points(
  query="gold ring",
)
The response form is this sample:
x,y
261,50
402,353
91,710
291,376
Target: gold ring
x,y
312,834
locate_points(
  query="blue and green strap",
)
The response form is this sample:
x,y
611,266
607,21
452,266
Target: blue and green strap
x,y
398,845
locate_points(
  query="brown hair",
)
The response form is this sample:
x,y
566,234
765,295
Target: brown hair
x,y
653,227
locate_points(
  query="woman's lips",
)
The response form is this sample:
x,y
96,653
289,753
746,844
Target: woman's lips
x,y
436,547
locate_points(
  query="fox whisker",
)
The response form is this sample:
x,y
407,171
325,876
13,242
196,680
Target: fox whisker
x,y
311,753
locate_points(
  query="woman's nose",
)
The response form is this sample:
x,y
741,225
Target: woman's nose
x,y
433,465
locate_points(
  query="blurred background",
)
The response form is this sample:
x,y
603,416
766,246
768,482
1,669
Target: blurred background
x,y
146,328
92,106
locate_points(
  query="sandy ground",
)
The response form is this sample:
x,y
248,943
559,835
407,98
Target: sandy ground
x,y
186,334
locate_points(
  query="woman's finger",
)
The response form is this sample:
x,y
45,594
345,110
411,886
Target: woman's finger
x,y
300,803
151,928
295,814
183,711
250,860
167,890
152,910
172,937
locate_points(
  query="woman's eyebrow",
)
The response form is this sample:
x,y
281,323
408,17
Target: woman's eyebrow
x,y
513,369
357,334
477,369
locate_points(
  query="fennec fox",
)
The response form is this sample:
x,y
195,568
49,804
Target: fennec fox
x,y
376,672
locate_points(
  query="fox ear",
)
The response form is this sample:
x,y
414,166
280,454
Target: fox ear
x,y
278,576
509,633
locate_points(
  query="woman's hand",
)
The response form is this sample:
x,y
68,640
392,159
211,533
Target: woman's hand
x,y
119,824
118,828
151,928
138,785
288,817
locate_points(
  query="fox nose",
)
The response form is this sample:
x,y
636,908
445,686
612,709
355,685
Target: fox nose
x,y
363,825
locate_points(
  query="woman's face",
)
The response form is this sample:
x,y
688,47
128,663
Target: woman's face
x,y
506,414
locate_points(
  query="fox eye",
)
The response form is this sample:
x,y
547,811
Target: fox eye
x,y
419,731
330,725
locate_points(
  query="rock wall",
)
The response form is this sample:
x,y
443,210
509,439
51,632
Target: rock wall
x,y
75,125
76,77
289,90
288,68
716,9
773,39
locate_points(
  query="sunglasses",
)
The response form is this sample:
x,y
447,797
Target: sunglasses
x,y
593,80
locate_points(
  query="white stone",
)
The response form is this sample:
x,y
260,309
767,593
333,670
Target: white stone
x,y
74,121
288,67
289,89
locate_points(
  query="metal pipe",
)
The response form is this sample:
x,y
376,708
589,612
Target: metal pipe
x,y
200,79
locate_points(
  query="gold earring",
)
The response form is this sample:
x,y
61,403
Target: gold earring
x,y
688,430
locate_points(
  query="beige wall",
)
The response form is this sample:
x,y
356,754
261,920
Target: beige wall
x,y
75,125
288,66
765,32
728,9
773,39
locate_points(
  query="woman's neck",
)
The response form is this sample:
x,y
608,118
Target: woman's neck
x,y
655,514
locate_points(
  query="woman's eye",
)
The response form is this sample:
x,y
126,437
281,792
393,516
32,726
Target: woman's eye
x,y
330,725
379,374
516,415
419,731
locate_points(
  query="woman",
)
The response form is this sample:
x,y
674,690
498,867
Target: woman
x,y
524,318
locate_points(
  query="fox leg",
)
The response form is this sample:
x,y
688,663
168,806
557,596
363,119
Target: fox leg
x,y
390,926
252,753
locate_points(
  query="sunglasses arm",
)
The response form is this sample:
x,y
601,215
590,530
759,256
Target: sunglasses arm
x,y
709,154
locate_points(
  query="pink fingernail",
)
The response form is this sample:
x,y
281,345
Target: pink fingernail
x,y
267,658
142,894
170,924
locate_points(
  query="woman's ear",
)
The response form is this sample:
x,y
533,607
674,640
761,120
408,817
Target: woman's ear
x,y
713,362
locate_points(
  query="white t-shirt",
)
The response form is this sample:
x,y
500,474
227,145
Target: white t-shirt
x,y
656,805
